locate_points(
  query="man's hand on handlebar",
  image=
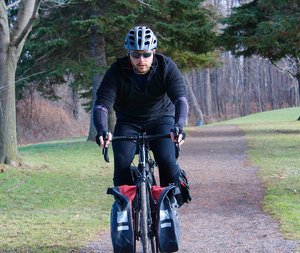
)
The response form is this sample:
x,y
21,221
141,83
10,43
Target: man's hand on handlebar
x,y
177,135
105,139
180,141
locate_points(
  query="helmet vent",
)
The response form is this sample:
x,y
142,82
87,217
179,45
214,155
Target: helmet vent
x,y
140,42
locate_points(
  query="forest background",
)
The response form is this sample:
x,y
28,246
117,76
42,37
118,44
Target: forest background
x,y
53,103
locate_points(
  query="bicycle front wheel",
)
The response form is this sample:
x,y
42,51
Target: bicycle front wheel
x,y
144,218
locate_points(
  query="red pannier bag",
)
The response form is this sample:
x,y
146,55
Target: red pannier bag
x,y
167,223
121,223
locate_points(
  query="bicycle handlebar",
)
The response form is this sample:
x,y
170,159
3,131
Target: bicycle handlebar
x,y
176,132
139,138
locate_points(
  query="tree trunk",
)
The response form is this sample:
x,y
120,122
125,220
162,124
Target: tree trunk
x,y
194,99
298,79
8,145
75,103
96,83
208,94
244,85
271,89
11,45
111,121
99,54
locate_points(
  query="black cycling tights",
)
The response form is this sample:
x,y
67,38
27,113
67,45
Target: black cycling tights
x,y
163,150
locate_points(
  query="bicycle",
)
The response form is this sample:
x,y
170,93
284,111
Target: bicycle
x,y
144,209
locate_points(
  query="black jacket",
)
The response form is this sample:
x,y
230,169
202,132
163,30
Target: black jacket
x,y
164,86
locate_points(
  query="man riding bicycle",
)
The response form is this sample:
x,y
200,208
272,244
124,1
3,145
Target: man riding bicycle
x,y
149,95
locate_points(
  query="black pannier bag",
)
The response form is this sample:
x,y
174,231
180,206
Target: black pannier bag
x,y
167,223
184,196
121,223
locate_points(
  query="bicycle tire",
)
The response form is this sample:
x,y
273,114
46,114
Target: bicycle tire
x,y
144,218
154,245
152,228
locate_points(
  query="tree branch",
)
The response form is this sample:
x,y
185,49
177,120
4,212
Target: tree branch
x,y
285,70
147,4
29,24
48,4
38,73
13,4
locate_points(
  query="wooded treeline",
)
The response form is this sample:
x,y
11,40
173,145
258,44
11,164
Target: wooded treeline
x,y
246,85
241,86
237,87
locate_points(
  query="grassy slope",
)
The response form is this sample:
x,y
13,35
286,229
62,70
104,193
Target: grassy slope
x,y
274,145
59,202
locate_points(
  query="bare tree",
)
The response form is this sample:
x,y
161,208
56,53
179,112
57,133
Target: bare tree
x,y
242,86
12,38
208,94
193,97
292,67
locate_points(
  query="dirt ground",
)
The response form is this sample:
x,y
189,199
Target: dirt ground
x,y
225,214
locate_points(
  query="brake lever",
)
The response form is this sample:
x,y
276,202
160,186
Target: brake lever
x,y
105,149
177,146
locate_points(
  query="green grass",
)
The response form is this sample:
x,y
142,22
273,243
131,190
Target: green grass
x,y
274,145
59,202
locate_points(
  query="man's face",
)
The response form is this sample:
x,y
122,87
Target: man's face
x,y
143,63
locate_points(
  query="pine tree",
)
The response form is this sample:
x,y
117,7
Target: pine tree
x,y
59,45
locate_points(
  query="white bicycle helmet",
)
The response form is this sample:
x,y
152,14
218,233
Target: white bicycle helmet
x,y
140,38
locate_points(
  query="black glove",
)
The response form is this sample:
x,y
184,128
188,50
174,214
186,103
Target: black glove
x,y
177,130
104,134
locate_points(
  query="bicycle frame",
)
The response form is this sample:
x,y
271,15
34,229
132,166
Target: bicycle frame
x,y
144,212
146,205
